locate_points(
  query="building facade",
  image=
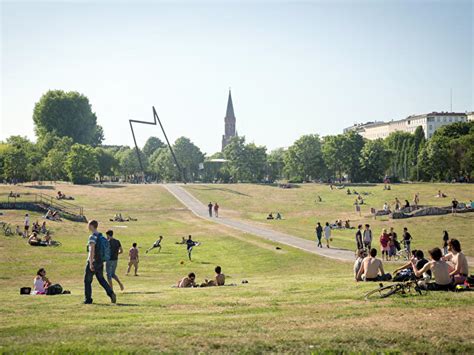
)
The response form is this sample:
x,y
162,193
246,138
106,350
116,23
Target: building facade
x,y
229,120
430,122
470,116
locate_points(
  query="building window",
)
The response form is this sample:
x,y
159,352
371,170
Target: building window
x,y
431,127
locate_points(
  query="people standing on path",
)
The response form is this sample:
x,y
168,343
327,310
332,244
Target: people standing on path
x,y
319,234
216,210
111,265
445,242
133,259
367,237
407,238
96,252
358,237
327,234
209,206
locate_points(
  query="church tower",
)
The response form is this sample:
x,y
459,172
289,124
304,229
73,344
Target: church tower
x,y
229,123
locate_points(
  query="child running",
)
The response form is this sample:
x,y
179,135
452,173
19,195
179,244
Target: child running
x,y
157,244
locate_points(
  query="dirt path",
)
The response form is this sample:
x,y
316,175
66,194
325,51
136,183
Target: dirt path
x,y
200,210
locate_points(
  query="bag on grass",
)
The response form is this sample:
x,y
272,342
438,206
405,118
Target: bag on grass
x,y
55,289
25,290
103,248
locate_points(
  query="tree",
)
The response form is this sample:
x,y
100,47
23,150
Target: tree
x,y
257,159
67,114
189,157
304,159
238,166
82,164
20,158
129,163
107,162
53,167
374,160
276,164
152,145
163,167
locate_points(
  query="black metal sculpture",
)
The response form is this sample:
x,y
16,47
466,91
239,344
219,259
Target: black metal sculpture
x,y
155,120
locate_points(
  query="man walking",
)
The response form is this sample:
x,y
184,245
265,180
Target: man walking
x,y
319,234
359,242
111,265
407,240
209,206
216,210
327,234
95,264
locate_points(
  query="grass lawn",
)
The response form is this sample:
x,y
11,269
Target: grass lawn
x,y
294,301
301,211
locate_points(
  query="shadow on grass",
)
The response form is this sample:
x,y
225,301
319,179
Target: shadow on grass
x,y
141,293
223,189
107,186
117,304
41,187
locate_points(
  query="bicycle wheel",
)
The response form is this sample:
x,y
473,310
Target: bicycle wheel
x,y
382,292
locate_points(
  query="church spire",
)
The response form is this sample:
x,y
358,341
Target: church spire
x,y
230,107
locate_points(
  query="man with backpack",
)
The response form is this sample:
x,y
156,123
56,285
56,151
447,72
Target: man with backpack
x,y
98,252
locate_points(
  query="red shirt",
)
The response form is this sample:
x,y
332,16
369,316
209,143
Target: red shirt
x,y
384,240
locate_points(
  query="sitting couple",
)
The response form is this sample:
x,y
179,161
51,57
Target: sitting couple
x,y
36,241
369,268
190,280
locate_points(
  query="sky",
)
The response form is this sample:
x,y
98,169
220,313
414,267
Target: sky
x,y
294,68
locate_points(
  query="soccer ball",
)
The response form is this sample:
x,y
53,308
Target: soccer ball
x,y
182,262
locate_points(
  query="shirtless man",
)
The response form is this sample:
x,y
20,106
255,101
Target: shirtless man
x,y
219,279
156,244
460,269
188,281
369,270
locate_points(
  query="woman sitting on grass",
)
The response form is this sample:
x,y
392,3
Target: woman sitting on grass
x,y
40,283
439,269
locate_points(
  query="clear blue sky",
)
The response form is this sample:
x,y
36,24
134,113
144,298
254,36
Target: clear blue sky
x,y
294,67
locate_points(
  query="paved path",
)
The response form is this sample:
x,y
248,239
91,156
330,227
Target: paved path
x,y
201,211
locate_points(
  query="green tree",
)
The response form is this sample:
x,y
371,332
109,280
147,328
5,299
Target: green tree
x,y
107,162
152,145
81,164
129,163
163,167
304,159
189,157
67,114
276,164
374,160
238,166
257,159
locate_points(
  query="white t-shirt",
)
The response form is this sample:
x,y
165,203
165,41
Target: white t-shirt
x,y
27,221
38,284
327,232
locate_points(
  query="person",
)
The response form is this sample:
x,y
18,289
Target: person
x,y
43,228
111,264
361,255
216,210
406,270
454,206
36,227
416,200
47,238
385,207
320,199
349,191
183,241
133,259
18,231
95,264
407,238
367,237
357,207
219,279
371,268
392,244
278,216
188,281
35,241
319,234
358,237
270,216
40,283
397,204
439,269
327,234
384,243
460,270
445,242
156,244
209,207
407,204
27,223
190,245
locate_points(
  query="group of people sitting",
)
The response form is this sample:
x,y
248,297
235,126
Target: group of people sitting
x,y
61,196
340,224
52,215
118,218
190,280
439,273
270,216
35,241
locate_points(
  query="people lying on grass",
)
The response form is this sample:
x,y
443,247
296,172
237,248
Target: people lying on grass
x,y
384,243
40,283
439,270
459,270
372,269
14,194
188,281
405,272
218,280
270,216
36,241
361,255
157,244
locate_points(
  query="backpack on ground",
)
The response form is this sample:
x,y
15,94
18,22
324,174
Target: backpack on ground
x,y
25,290
103,248
55,289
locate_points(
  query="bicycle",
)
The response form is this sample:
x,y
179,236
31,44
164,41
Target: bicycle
x,y
402,288
403,253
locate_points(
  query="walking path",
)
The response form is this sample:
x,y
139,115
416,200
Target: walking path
x,y
201,211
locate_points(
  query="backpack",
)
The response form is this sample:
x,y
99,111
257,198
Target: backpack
x,y
55,289
103,248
